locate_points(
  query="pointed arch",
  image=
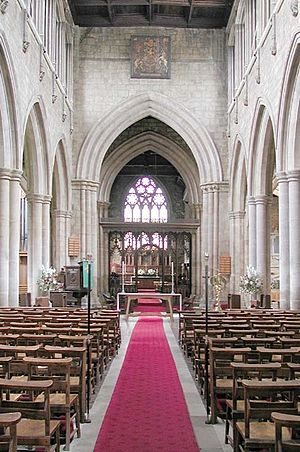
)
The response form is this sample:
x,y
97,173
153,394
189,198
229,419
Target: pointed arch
x,y
238,177
9,121
262,150
36,150
161,107
163,146
288,137
61,181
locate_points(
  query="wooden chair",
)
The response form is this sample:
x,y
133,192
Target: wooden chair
x,y
8,426
35,427
291,422
78,370
220,381
261,398
235,407
61,399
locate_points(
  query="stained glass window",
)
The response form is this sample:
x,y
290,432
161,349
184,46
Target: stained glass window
x,y
145,203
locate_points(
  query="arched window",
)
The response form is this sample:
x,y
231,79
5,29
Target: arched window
x,y
145,203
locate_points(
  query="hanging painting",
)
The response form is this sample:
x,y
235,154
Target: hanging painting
x,y
151,57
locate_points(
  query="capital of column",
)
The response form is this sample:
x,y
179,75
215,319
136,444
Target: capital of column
x,y
197,209
209,187
85,184
103,208
251,201
281,177
263,199
38,198
11,174
238,214
293,175
62,214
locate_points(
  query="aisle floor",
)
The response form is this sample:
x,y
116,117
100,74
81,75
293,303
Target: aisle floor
x,y
210,438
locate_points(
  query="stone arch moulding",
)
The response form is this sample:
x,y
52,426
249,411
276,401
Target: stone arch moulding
x,y
62,171
288,128
262,131
36,125
162,108
9,119
238,176
162,146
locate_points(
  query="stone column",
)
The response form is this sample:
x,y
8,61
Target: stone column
x,y
82,223
210,232
46,231
4,236
262,238
284,240
294,224
237,249
94,234
252,231
216,228
204,222
102,251
196,250
35,238
61,220
14,238
88,224
232,250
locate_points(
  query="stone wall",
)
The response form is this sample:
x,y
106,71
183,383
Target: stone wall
x,y
198,77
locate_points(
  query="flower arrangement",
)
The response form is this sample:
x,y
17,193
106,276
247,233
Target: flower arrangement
x,y
251,282
151,271
48,280
141,271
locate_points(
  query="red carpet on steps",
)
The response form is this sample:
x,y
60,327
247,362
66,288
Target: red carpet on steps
x,y
149,304
147,412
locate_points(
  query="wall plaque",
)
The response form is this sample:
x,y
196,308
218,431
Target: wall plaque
x,y
151,57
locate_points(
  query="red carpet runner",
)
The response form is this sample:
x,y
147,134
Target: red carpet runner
x,y
147,412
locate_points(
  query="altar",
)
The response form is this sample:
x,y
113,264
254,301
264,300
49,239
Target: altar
x,y
136,295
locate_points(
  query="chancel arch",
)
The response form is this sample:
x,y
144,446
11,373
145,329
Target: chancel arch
x,y
162,108
164,146
101,159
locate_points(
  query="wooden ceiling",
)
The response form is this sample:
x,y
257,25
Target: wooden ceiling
x,y
158,13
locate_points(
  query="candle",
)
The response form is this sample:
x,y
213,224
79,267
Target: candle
x,y
172,271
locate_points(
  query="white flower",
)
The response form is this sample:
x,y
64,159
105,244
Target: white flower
x,y
48,280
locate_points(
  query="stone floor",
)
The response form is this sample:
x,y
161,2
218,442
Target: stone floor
x,y
209,437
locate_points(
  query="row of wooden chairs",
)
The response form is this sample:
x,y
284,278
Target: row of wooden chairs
x,y
259,352
32,351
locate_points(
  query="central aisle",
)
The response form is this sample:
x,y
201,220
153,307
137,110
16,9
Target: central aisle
x,y
147,411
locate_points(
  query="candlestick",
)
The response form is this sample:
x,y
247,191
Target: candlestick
x,y
172,271
123,276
